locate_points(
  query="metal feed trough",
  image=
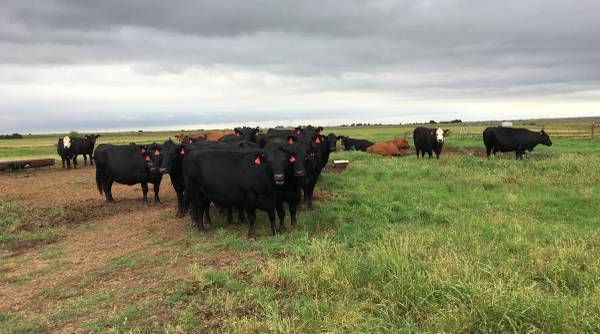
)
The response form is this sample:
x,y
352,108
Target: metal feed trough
x,y
25,164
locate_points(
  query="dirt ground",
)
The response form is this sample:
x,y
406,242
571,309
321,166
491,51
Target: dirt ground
x,y
96,246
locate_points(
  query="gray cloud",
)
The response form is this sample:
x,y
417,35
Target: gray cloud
x,y
457,49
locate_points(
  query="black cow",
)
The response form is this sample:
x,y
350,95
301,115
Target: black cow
x,y
289,192
85,147
239,134
65,152
128,164
429,140
243,177
355,144
318,149
500,139
172,157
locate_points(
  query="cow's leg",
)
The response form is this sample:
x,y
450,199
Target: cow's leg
x,y
429,153
488,151
145,192
107,188
75,161
207,213
197,210
63,163
156,190
251,213
84,159
91,159
230,215
241,215
68,163
271,214
179,204
417,154
293,208
280,215
437,155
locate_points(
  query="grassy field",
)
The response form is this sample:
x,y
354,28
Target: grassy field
x,y
463,244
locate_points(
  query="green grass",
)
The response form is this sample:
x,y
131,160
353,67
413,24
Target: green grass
x,y
20,224
463,244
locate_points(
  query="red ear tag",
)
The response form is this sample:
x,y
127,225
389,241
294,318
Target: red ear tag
x,y
156,152
147,158
257,161
292,159
182,151
318,141
143,150
191,142
298,131
237,134
291,141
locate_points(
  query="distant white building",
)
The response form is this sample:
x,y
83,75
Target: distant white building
x,y
506,124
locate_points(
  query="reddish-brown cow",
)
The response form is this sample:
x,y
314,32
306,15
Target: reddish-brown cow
x,y
390,148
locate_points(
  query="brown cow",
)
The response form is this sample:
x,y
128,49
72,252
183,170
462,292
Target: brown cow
x,y
390,148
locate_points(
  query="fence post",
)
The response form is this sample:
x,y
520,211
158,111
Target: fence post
x,y
593,127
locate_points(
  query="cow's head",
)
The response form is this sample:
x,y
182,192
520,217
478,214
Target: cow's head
x,y
153,157
247,133
66,142
545,138
296,155
441,134
402,144
169,153
92,138
276,160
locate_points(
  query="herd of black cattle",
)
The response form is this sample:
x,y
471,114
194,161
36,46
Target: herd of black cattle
x,y
248,170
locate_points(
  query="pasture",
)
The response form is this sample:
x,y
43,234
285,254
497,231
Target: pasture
x,y
460,244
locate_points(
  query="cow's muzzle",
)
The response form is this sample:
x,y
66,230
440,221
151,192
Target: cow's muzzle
x,y
279,179
163,170
300,173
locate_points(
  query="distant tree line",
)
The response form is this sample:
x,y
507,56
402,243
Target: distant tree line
x,y
13,136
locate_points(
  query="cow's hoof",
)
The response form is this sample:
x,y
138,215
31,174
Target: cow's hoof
x,y
281,229
251,239
157,201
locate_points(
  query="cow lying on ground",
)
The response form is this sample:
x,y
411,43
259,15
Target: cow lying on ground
x,y
127,164
390,148
429,140
355,144
65,151
499,139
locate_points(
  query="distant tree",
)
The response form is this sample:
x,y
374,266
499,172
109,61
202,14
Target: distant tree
x,y
432,122
73,134
456,121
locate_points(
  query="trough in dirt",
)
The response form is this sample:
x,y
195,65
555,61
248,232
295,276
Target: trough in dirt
x,y
25,164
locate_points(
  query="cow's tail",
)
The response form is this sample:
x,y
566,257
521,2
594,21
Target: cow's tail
x,y
99,178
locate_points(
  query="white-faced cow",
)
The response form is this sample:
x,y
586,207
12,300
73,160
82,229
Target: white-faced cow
x,y
429,141
65,151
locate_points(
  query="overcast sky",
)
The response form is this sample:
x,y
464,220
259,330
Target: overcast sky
x,y
149,64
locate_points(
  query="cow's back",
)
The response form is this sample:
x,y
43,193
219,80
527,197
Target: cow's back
x,y
124,164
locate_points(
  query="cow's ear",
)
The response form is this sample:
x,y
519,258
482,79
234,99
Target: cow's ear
x,y
319,129
259,158
446,132
291,140
257,131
